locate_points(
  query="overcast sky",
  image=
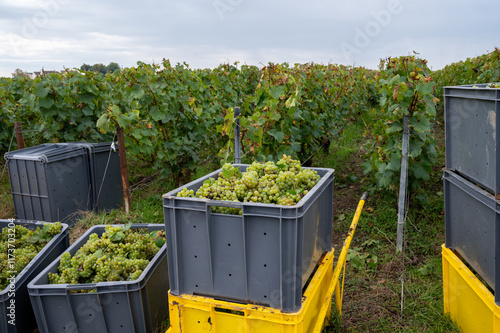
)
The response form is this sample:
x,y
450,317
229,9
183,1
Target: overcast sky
x,y
57,34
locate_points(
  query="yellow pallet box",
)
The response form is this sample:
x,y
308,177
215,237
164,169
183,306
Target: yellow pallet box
x,y
202,314
468,302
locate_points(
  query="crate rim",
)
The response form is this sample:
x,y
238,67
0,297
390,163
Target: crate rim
x,y
329,173
475,191
46,153
475,86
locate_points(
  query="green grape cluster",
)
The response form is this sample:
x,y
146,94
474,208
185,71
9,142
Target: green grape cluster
x,y
120,254
185,193
250,179
54,228
282,183
19,245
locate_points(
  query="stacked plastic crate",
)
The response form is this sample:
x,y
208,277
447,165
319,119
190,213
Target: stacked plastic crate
x,y
53,182
258,262
472,208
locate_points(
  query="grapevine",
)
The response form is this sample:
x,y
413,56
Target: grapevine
x,y
406,90
174,117
26,245
282,183
481,69
120,254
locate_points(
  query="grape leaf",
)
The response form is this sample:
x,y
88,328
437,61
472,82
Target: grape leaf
x,y
420,172
425,88
137,92
277,91
117,236
103,123
159,242
46,102
276,135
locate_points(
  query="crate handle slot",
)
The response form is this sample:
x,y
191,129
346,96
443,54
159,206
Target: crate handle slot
x,y
230,311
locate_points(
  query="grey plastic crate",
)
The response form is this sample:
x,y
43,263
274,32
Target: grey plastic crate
x,y
50,182
472,114
264,256
120,306
24,317
105,174
106,177
89,178
472,227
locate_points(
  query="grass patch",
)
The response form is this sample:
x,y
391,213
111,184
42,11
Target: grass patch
x,y
374,272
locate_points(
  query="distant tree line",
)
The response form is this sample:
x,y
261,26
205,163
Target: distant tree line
x,y
19,72
101,68
98,68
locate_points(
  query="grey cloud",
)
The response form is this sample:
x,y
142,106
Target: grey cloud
x,y
205,33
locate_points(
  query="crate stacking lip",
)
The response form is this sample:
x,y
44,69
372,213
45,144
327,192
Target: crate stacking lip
x,y
472,217
137,306
472,116
24,317
263,256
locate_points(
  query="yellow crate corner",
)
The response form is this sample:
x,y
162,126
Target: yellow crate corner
x,y
468,302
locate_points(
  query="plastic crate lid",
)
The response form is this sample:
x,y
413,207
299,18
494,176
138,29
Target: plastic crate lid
x,y
46,153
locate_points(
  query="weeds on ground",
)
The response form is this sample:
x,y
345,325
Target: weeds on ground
x,y
386,291
6,202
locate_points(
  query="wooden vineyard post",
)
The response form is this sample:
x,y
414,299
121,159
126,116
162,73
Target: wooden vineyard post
x,y
19,135
123,167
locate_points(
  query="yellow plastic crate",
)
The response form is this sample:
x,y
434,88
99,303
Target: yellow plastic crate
x,y
201,314
468,302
